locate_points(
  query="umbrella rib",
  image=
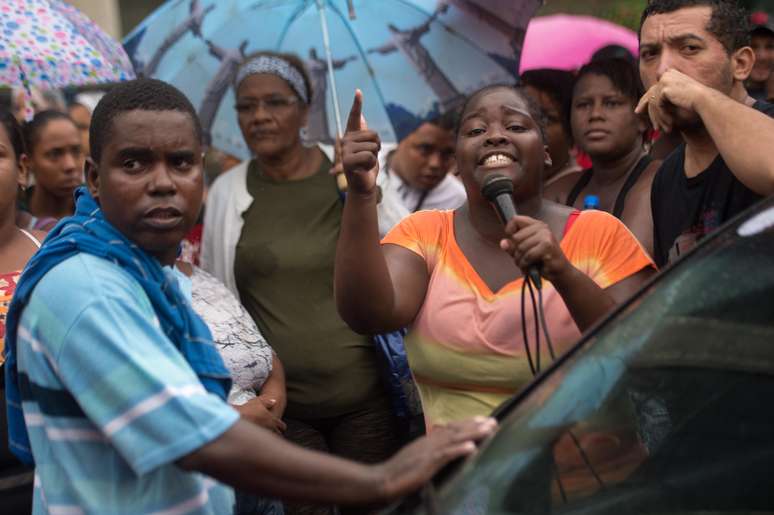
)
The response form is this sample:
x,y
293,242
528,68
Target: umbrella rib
x,y
415,7
147,21
296,15
447,28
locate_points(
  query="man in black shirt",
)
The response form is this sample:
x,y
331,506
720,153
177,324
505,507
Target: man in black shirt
x,y
694,59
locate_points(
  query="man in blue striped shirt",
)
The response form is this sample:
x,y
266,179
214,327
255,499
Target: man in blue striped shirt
x,y
120,419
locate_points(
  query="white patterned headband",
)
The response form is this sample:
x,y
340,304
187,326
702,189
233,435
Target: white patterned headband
x,y
276,66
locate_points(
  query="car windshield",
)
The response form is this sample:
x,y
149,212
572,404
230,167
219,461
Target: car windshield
x,y
666,409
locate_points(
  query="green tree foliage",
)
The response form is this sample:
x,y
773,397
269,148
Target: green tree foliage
x,y
622,12
626,12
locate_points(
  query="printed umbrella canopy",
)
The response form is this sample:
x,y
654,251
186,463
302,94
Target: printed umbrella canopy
x,y
567,42
413,59
50,44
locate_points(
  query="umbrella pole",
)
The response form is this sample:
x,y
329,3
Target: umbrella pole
x,y
329,58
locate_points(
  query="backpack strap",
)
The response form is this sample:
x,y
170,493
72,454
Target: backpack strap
x,y
583,181
640,167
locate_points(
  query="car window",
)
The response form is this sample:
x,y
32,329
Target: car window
x,y
667,409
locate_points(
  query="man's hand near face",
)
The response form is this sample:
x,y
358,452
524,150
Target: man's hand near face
x,y
742,136
674,90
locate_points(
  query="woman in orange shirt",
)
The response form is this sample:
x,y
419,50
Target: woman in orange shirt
x,y
455,277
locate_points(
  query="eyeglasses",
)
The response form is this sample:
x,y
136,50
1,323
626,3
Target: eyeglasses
x,y
270,104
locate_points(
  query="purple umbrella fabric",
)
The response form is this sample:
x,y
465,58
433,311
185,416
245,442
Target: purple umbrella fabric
x,y
567,42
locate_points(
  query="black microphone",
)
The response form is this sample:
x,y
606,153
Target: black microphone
x,y
498,189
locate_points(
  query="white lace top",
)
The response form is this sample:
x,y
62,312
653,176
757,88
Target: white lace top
x,y
245,351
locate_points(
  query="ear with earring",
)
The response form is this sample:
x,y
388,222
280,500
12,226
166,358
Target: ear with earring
x,y
24,173
21,194
24,179
303,133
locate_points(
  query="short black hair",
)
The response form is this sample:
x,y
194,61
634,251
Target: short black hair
x,y
34,127
613,52
729,22
557,84
294,61
762,30
138,94
621,72
532,106
446,121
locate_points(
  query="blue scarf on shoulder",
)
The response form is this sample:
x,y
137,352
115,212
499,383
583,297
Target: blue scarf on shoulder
x,y
87,231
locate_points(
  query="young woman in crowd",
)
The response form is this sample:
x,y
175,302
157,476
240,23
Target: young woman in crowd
x,y
605,126
56,164
455,277
551,90
270,235
16,247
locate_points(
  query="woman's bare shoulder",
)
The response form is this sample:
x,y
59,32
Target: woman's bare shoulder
x,y
558,190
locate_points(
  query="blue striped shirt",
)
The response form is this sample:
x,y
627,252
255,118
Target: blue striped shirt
x,y
109,402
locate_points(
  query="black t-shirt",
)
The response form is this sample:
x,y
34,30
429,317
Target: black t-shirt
x,y
686,209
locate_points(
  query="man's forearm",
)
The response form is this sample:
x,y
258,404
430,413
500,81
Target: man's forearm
x,y
744,137
255,460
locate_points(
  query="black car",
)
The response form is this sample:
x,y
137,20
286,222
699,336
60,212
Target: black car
x,y
667,406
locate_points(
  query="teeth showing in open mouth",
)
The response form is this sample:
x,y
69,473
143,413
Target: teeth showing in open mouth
x,y
497,159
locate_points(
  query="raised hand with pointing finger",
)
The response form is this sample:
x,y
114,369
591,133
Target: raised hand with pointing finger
x,y
360,150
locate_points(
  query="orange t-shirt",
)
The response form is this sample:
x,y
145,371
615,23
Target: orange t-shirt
x,y
465,347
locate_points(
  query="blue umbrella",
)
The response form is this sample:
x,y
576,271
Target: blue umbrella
x,y
413,59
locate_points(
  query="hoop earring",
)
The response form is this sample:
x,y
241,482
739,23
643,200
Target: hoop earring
x,y
303,133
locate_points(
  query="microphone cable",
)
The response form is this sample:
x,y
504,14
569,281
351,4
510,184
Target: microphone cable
x,y
498,190
539,318
525,336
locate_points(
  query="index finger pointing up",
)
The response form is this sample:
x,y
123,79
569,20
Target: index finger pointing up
x,y
354,121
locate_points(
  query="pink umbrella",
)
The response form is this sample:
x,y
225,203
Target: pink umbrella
x,y
568,42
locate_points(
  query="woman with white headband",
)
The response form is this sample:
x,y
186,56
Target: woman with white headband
x,y
270,235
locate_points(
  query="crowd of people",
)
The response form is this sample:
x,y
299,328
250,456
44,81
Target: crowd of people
x,y
244,373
